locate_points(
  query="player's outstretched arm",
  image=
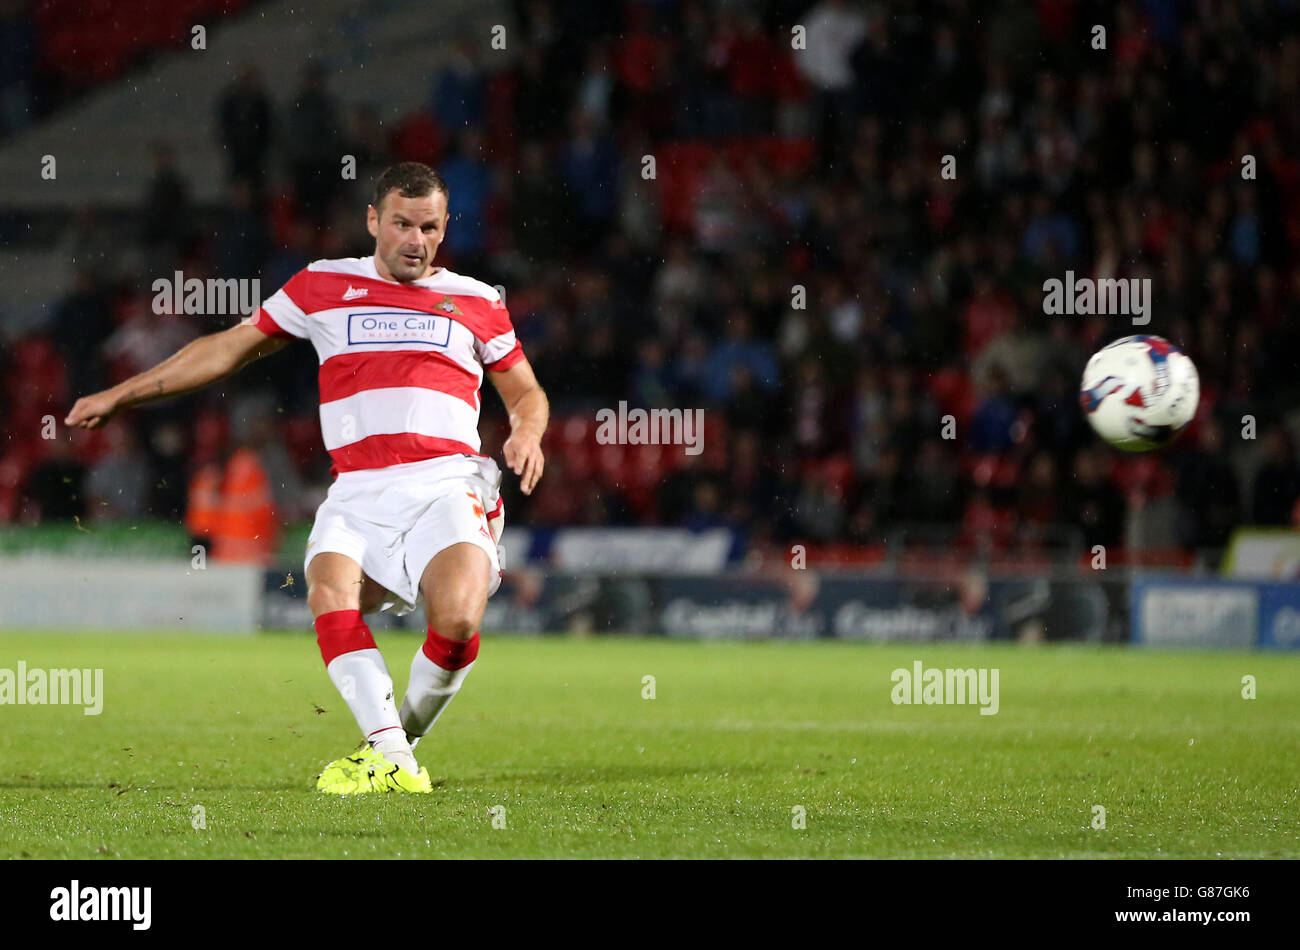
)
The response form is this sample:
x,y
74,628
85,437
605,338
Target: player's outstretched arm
x,y
529,413
192,367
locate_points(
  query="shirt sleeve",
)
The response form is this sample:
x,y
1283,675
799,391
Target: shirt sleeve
x,y
281,314
500,350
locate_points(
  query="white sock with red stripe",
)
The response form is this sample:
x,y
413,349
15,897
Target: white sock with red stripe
x,y
358,670
437,670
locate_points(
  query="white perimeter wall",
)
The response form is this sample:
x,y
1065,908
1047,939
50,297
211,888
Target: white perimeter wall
x,y
75,593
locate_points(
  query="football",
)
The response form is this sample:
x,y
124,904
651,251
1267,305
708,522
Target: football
x,y
1138,393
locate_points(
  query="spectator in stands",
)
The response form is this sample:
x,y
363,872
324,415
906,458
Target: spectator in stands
x,y
605,368
368,142
1094,502
82,322
469,182
144,339
241,244
56,487
1277,481
246,129
288,258
706,509
1019,354
749,406
1210,505
820,510
588,166
652,382
166,210
539,105
689,368
1038,500
596,87
720,218
117,484
313,136
540,222
681,281
835,29
17,58
932,493
808,409
867,424
739,350
459,89
675,494
991,426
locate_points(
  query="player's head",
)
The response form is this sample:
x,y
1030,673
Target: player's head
x,y
407,218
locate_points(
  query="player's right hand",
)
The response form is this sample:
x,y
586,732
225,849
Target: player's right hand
x,y
91,412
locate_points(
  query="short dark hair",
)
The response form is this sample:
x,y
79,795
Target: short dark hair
x,y
411,179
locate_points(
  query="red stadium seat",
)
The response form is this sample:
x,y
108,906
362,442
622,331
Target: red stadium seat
x,y
37,375
1143,477
679,170
211,430
499,125
303,440
14,466
417,139
92,41
952,390
612,464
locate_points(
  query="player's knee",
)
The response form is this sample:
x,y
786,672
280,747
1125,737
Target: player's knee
x,y
326,597
455,620
454,626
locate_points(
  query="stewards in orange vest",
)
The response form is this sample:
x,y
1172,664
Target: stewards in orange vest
x,y
235,512
203,502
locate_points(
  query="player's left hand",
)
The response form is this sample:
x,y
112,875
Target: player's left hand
x,y
523,452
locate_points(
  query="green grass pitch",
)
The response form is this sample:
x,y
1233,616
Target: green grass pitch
x,y
557,732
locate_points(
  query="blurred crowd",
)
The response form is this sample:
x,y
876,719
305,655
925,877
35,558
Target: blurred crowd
x,y
692,205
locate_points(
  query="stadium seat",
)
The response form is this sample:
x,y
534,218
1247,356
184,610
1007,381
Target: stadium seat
x,y
211,430
952,390
612,464
92,41
679,169
417,139
14,466
303,441
1143,476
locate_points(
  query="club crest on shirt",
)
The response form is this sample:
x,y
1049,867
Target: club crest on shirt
x,y
447,305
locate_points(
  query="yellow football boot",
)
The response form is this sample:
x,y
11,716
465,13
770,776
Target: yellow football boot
x,y
366,770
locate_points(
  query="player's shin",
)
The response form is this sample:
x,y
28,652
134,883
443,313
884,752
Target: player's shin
x,y
357,669
437,671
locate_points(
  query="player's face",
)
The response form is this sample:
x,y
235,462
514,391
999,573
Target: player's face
x,y
407,232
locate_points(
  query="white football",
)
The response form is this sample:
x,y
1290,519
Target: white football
x,y
1139,392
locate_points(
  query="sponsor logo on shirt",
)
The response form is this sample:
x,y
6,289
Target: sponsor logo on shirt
x,y
398,327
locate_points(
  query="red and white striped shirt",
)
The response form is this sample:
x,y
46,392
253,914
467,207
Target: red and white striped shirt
x,y
400,364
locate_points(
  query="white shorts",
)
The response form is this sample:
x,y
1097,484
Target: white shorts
x,y
392,521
